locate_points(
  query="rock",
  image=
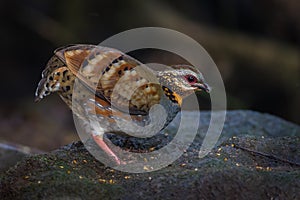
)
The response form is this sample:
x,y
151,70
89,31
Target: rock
x,y
258,157
10,154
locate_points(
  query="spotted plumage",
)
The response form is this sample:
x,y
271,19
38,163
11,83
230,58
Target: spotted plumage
x,y
109,80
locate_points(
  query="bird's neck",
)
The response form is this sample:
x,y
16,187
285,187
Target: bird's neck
x,y
171,106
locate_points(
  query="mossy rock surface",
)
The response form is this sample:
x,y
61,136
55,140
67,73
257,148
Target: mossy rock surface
x,y
255,163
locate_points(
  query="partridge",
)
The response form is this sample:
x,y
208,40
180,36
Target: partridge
x,y
113,87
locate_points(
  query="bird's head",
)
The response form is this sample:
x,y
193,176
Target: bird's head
x,y
182,80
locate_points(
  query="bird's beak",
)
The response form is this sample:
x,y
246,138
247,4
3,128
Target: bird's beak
x,y
202,86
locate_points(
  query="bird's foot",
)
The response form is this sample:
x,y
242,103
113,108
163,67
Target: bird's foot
x,y
100,142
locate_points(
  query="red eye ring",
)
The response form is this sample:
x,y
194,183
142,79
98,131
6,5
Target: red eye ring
x,y
191,79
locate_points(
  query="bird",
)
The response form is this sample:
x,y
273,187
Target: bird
x,y
112,86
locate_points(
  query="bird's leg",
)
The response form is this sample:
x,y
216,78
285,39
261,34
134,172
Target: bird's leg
x,y
100,142
97,133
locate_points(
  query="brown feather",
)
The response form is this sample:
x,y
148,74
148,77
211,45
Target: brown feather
x,y
100,69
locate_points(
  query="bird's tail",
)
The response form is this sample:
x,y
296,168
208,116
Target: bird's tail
x,y
41,90
51,78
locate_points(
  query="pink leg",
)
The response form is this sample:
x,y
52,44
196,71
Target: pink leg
x,y
99,140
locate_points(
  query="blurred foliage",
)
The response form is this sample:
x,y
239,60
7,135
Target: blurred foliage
x,y
254,43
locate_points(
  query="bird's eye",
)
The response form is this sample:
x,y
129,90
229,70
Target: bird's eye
x,y
191,79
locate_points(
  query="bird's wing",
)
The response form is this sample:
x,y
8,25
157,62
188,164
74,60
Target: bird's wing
x,y
112,75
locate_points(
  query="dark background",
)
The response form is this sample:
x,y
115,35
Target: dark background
x,y
255,44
